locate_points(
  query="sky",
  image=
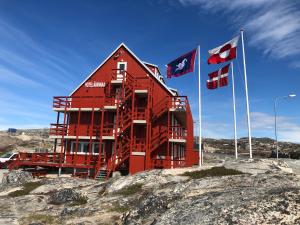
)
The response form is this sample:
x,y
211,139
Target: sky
x,y
47,48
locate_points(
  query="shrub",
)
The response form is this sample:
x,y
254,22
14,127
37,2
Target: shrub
x,y
39,218
27,188
213,172
130,190
81,200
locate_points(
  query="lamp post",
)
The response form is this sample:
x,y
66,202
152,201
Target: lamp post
x,y
275,114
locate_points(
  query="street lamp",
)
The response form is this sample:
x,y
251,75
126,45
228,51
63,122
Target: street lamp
x,y
275,113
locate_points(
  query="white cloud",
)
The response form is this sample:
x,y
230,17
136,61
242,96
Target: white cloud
x,y
10,77
273,25
287,130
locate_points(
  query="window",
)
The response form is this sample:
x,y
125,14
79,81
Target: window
x,y
122,66
84,148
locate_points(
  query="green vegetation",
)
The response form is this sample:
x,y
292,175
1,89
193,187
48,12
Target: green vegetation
x,y
130,190
40,218
118,208
27,188
80,201
213,172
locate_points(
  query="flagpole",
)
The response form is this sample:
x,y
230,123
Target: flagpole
x,y
246,92
234,112
199,109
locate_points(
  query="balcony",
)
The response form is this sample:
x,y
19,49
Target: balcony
x,y
177,134
86,132
139,145
83,103
141,86
140,115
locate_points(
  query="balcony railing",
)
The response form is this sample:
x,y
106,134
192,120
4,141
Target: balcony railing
x,y
174,103
83,101
58,129
139,113
139,144
177,132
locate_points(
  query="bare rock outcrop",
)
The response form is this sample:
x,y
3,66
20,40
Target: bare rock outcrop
x,y
260,191
16,177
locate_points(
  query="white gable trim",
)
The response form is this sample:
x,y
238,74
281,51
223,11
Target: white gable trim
x,y
150,64
122,44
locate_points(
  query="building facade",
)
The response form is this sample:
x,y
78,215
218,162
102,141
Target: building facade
x,y
122,117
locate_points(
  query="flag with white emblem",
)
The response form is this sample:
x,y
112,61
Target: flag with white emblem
x,y
218,78
224,52
182,65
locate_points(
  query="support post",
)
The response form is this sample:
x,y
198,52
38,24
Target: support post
x,y
234,112
247,99
199,109
275,117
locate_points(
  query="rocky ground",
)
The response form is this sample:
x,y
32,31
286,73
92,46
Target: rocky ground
x,y
260,191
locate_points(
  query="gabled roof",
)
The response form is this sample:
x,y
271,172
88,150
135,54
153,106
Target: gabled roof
x,y
140,61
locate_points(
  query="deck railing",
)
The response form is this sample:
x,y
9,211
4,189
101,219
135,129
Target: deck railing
x,y
177,132
83,101
139,113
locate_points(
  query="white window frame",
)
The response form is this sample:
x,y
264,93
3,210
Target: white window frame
x,y
119,63
119,77
80,145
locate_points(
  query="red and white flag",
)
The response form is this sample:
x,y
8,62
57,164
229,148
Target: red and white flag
x,y
224,52
218,78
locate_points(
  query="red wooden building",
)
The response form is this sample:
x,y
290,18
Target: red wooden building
x,y
122,117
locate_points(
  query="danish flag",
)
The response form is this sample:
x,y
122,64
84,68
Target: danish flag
x,y
218,78
224,52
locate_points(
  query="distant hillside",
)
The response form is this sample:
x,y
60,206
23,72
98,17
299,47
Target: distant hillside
x,y
260,146
32,139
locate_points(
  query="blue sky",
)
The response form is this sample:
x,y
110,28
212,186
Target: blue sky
x,y
48,47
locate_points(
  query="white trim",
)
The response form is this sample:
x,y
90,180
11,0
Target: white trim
x,y
122,44
110,107
139,121
81,148
141,91
119,63
75,109
150,64
108,137
138,153
73,137
177,140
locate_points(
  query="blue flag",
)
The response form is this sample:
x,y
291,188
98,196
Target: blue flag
x,y
182,65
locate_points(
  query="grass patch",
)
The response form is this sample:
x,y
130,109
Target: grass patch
x,y
40,218
80,201
27,188
130,190
213,172
119,209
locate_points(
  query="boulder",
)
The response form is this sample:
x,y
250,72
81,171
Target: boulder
x,y
63,196
16,177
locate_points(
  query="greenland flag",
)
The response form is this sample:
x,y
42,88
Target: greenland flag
x,y
218,78
224,52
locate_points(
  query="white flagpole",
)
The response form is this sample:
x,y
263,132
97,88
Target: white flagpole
x,y
247,100
200,123
234,111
